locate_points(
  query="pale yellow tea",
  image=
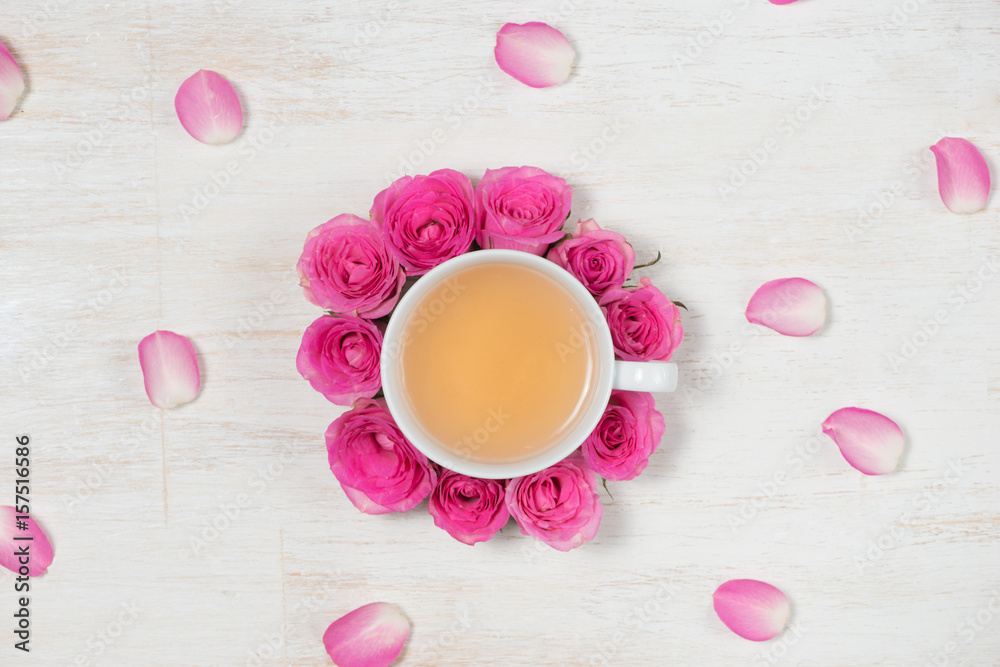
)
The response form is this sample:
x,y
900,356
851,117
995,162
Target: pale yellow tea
x,y
497,362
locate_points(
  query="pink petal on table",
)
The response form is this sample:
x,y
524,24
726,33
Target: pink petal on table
x,y
39,550
535,54
963,177
790,306
11,82
782,2
208,108
870,442
369,636
169,369
752,609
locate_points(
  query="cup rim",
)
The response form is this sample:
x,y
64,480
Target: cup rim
x,y
603,377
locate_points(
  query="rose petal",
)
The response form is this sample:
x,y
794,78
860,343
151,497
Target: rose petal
x,y
369,636
11,82
535,54
963,177
752,609
208,108
782,2
169,369
39,549
870,442
790,306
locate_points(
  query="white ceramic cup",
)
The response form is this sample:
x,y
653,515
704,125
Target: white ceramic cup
x,y
653,376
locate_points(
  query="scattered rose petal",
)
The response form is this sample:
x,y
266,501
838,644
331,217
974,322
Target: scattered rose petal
x,y
870,442
782,2
535,54
963,177
790,306
169,369
208,108
11,82
39,549
369,636
752,609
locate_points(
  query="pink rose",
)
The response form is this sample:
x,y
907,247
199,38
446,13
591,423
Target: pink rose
x,y
426,219
470,509
645,325
346,267
378,468
627,434
340,358
521,208
599,259
558,505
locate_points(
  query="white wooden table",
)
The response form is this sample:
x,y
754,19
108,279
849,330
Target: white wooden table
x,y
157,563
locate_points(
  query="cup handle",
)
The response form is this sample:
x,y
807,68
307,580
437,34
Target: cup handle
x,y
652,376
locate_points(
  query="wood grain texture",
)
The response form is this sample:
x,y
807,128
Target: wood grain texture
x,y
220,521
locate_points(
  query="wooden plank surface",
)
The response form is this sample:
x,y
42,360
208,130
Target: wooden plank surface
x,y
828,106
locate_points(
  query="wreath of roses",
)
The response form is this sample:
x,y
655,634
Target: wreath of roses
x,y
355,269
